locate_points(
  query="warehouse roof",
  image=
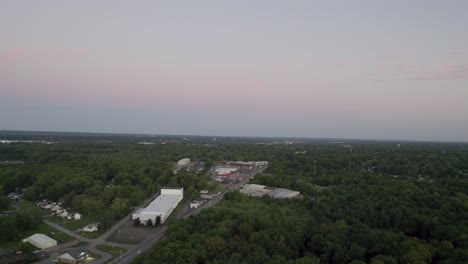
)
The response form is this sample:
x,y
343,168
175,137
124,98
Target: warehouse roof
x,y
283,193
41,239
161,204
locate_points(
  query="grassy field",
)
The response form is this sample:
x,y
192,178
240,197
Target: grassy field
x,y
41,229
6,247
74,225
49,231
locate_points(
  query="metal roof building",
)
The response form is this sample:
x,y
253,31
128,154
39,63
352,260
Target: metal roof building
x,y
163,205
257,190
183,162
283,193
41,241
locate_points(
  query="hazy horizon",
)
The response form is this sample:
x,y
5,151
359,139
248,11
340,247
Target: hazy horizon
x,y
379,70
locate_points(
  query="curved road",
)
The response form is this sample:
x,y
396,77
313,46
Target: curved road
x,y
92,242
132,250
102,239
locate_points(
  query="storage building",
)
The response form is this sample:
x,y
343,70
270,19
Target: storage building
x,y
283,193
183,162
41,241
162,206
73,256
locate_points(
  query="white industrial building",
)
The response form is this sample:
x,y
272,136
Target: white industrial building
x,y
162,206
222,170
258,190
41,241
183,162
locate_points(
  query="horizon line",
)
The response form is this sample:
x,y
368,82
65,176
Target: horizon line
x,y
2,131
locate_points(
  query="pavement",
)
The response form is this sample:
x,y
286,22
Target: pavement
x,y
92,243
211,202
147,244
134,250
159,235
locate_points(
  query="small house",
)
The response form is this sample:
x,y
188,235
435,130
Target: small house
x,y
195,204
93,227
73,256
63,214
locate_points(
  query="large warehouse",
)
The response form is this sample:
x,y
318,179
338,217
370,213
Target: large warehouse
x,y
41,241
163,206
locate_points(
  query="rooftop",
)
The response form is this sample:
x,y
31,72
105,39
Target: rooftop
x,y
161,204
282,193
40,238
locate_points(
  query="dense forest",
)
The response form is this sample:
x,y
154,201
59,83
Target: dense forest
x,y
361,201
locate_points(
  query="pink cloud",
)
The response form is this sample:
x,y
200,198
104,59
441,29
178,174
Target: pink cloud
x,y
79,52
18,55
459,52
401,71
15,55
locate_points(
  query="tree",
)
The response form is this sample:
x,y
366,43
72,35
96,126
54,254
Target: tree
x,y
30,193
9,229
4,202
137,222
215,244
91,206
119,206
28,216
158,220
107,219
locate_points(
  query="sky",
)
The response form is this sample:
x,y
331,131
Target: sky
x,y
320,69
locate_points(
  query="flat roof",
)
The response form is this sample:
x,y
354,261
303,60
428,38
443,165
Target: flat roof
x,y
281,193
162,204
41,238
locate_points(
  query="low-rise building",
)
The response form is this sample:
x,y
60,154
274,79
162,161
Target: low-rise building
x,y
257,190
283,193
93,227
73,256
195,204
41,241
183,162
63,214
77,216
162,206
207,196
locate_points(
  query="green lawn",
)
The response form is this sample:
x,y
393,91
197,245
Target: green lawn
x,y
220,189
74,225
8,246
41,229
49,231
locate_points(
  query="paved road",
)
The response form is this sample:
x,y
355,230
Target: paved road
x,y
159,235
114,228
134,250
102,239
92,242
130,255
212,202
66,231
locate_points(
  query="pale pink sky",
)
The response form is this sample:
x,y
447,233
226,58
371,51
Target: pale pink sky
x,y
371,69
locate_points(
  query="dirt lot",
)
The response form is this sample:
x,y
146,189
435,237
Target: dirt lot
x,y
130,234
